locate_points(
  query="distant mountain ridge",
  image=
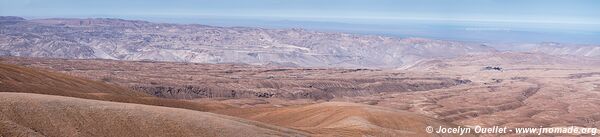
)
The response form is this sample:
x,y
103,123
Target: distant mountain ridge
x,y
140,40
562,49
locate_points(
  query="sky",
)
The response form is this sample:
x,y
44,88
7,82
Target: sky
x,y
537,11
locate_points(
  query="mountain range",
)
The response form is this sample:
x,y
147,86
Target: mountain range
x,y
140,40
119,39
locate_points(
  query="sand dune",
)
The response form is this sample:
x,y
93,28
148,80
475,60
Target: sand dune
x,y
26,114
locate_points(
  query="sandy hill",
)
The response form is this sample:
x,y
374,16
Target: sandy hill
x,y
27,80
342,119
27,114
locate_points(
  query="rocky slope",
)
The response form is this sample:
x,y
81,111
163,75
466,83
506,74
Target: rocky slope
x,y
140,40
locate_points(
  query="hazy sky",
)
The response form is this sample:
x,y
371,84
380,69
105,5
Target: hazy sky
x,y
553,11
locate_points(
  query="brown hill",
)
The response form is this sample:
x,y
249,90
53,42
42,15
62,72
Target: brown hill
x,y
343,119
21,79
26,114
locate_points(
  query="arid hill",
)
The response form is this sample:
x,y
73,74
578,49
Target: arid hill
x,y
509,89
27,114
78,107
516,59
26,80
505,89
78,111
343,119
192,80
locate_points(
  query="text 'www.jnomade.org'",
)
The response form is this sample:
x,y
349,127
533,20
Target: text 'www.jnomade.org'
x,y
460,130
